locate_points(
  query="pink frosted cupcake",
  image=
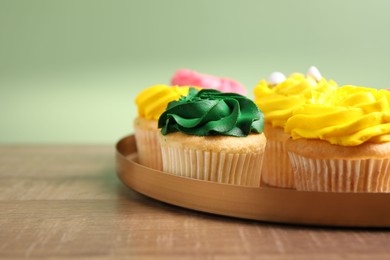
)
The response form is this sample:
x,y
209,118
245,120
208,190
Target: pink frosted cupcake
x,y
185,77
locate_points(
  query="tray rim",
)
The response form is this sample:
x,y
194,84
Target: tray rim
x,y
269,204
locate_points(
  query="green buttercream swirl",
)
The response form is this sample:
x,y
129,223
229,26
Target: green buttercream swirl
x,y
211,112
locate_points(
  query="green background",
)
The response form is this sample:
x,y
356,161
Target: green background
x,y
70,70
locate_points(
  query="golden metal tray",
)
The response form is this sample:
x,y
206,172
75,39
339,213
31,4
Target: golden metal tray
x,y
264,203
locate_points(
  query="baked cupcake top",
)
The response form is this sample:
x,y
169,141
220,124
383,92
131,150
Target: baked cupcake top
x,y
279,96
152,101
349,116
209,112
186,77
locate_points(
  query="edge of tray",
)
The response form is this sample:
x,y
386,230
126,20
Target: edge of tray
x,y
264,203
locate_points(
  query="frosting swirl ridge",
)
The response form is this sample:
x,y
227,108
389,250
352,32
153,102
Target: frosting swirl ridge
x,y
152,101
211,112
350,116
279,101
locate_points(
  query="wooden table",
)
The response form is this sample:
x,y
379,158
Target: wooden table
x,y
66,201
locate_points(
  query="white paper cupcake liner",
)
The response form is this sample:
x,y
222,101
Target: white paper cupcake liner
x,y
149,148
277,169
221,167
368,175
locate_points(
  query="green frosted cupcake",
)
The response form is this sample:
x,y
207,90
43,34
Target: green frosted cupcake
x,y
213,136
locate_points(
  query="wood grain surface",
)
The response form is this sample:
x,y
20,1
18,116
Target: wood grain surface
x,y
62,202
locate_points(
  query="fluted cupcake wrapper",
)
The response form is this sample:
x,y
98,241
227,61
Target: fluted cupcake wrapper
x,y
149,148
337,175
222,167
277,169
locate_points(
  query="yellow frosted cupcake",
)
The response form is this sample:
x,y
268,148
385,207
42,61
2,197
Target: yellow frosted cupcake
x,y
151,103
213,136
278,98
343,144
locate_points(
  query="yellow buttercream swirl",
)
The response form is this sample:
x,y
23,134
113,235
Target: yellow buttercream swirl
x,y
350,116
278,102
153,101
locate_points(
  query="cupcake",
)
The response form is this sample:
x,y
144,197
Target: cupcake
x,y
185,77
277,98
343,144
213,136
151,103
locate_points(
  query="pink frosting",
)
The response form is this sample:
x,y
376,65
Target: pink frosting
x,y
185,77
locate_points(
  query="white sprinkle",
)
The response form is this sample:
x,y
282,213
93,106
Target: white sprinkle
x,y
314,73
276,78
